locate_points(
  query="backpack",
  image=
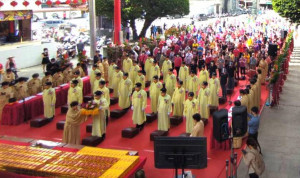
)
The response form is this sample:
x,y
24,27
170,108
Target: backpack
x,y
258,163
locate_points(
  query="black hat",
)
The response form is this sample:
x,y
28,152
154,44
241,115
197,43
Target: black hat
x,y
47,73
98,74
194,72
5,83
125,74
75,82
214,74
205,83
138,85
48,83
191,94
155,77
35,75
98,93
74,103
163,90
95,65
22,79
76,72
102,82
180,82
170,70
117,68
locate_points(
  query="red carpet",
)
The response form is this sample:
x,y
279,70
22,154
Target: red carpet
x,y
141,143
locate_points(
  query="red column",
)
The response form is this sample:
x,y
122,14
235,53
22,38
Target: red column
x,y
11,27
117,22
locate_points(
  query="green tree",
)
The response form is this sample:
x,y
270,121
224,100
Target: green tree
x,y
288,8
149,10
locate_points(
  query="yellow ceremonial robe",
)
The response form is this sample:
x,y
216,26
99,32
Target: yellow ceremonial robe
x,y
96,84
72,127
99,120
214,87
250,99
125,90
46,79
192,84
258,83
8,77
244,102
5,95
21,90
133,73
100,68
170,84
139,103
127,63
105,68
49,100
80,82
82,74
154,70
116,81
254,89
154,94
93,76
106,95
74,94
148,65
140,79
203,77
203,102
263,66
163,108
165,68
183,75
67,75
198,130
34,86
178,101
190,108
111,71
58,79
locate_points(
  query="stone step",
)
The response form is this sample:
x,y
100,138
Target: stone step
x,y
294,64
295,61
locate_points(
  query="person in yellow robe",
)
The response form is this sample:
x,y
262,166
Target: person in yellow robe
x,y
68,74
111,72
49,100
127,63
214,87
99,120
105,92
8,76
154,90
164,109
190,108
170,82
74,93
6,93
263,66
183,74
21,89
148,65
203,76
105,68
74,118
100,67
34,85
198,129
255,92
140,78
178,99
76,76
249,96
97,81
117,77
167,64
204,94
139,104
154,70
125,90
244,100
192,83
79,68
58,78
133,72
47,78
93,73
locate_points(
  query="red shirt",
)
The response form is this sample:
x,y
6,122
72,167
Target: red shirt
x,y
177,61
208,60
143,58
168,52
236,52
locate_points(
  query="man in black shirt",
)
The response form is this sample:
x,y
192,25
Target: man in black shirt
x,y
223,82
230,75
97,57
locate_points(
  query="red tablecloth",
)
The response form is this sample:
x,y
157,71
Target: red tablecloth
x,y
17,113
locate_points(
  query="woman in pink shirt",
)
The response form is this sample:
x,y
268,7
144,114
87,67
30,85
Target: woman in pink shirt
x,y
177,63
242,62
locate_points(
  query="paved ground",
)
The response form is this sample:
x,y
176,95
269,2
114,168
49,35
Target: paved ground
x,y
279,133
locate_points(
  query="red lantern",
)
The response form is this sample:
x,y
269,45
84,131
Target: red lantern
x,y
83,1
75,1
38,2
1,4
13,3
49,2
25,3
57,2
68,1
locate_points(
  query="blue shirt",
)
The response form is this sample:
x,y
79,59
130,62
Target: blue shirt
x,y
253,124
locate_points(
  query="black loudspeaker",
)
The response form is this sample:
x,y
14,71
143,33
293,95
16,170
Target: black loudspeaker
x,y
220,125
239,121
272,51
283,34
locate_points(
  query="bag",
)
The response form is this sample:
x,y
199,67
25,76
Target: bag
x,y
258,163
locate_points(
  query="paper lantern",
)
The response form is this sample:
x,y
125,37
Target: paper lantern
x,y
1,4
83,1
68,1
49,2
13,3
75,1
38,2
25,3
57,2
